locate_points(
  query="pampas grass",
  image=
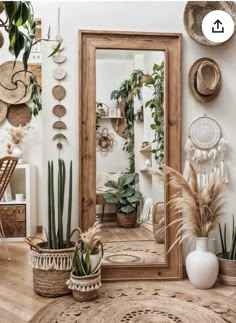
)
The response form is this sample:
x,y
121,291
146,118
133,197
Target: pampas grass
x,y
201,208
91,238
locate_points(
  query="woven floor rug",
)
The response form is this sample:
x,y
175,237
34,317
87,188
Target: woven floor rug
x,y
143,302
133,251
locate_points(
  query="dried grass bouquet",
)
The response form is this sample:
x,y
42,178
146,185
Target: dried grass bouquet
x,y
201,208
17,134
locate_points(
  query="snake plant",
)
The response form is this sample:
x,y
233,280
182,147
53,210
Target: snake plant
x,y
228,253
56,236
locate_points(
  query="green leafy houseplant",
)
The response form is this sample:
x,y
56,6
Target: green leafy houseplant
x,y
228,253
129,89
156,104
55,236
17,18
125,197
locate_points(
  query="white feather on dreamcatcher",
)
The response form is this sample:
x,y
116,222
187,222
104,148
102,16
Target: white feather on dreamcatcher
x,y
206,148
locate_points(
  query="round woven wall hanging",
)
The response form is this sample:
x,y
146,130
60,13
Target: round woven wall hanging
x,y
194,13
3,111
59,59
59,110
59,92
14,93
19,114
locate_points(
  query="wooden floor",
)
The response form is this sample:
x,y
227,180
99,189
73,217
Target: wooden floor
x,y
18,303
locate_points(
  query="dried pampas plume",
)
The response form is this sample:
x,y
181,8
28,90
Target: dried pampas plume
x,y
92,237
201,208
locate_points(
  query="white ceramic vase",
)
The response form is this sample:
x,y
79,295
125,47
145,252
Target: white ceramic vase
x,y
202,266
17,152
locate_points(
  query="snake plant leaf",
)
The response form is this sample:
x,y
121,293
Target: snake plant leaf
x,y
59,136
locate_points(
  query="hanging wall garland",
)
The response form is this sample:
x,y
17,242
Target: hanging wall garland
x,y
206,147
59,92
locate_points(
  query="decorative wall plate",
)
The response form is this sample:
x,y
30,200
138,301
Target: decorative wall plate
x,y
205,133
59,125
59,92
59,73
59,59
14,93
3,111
59,110
19,114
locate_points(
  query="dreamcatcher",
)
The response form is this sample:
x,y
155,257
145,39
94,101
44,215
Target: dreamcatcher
x,y
105,142
206,147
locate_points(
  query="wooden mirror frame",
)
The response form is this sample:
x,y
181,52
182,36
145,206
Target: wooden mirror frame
x,y
170,43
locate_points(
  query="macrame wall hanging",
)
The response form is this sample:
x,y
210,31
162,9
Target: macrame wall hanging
x,y
206,148
59,92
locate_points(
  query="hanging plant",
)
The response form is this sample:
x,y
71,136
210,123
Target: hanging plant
x,y
156,105
17,18
126,93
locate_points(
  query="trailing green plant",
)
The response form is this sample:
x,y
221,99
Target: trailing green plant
x,y
89,244
156,105
230,253
20,25
56,235
125,197
129,89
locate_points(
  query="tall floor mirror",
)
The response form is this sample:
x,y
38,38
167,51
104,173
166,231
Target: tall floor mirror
x,y
130,126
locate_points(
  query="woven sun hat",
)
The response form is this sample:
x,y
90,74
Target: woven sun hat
x,y
3,111
204,79
194,13
14,93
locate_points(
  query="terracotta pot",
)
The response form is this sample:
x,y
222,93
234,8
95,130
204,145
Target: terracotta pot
x,y
227,271
84,288
127,220
145,78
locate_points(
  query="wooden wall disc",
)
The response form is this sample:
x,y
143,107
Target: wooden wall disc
x,y
59,145
59,73
59,92
19,114
1,39
59,125
59,59
3,111
59,110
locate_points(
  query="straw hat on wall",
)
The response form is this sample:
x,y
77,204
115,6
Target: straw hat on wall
x,y
194,13
204,79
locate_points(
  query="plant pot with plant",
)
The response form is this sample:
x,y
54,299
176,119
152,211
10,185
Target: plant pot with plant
x,y
85,278
227,258
201,209
126,198
51,260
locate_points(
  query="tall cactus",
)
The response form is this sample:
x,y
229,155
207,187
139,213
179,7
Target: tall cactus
x,y
56,241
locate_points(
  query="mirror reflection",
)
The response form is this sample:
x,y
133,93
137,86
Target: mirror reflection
x,y
130,196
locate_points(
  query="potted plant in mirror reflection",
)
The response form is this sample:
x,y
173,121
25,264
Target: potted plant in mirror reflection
x,y
202,209
156,105
16,136
126,199
227,258
85,278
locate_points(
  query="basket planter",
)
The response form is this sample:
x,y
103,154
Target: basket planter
x,y
85,288
227,271
127,220
51,269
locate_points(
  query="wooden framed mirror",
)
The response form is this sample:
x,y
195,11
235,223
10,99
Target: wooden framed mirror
x,y
130,123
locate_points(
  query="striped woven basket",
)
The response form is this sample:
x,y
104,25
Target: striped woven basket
x,y
227,271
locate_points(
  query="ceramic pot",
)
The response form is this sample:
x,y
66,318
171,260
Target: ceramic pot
x,y
202,266
17,152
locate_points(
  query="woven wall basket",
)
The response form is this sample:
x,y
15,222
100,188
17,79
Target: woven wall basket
x,y
51,269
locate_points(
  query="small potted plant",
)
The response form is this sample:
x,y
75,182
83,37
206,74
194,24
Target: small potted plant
x,y
227,258
51,260
126,198
85,278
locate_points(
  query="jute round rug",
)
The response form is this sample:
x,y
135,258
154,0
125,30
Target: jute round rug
x,y
143,302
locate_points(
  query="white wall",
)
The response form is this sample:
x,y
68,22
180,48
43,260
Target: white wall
x,y
135,16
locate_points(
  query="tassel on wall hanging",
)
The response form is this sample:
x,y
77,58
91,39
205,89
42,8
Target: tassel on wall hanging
x,y
206,148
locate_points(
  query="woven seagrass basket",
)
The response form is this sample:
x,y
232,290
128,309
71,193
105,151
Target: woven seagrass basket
x,y
227,271
51,269
85,288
